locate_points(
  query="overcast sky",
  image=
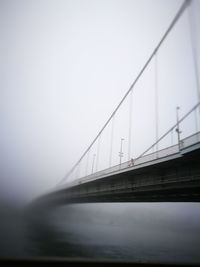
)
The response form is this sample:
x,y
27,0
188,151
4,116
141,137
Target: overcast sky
x,y
64,67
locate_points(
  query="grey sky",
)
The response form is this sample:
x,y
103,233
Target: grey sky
x,y
65,65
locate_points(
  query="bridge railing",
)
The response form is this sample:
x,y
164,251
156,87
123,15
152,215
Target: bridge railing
x,y
190,140
159,154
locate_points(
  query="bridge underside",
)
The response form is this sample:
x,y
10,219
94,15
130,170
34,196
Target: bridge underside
x,y
180,195
172,180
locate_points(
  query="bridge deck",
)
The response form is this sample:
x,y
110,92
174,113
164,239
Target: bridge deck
x,y
188,144
171,177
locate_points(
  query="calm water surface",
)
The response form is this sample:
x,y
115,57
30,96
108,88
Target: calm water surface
x,y
139,232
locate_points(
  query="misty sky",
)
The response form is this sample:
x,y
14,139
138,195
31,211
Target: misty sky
x,y
64,67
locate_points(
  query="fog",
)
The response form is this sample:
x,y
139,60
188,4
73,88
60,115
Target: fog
x,y
64,67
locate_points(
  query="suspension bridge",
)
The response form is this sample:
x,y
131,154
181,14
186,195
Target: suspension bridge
x,y
167,170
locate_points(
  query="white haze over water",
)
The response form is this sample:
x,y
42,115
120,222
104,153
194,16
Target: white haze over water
x,y
65,65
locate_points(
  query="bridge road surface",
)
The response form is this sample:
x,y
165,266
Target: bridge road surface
x,y
171,178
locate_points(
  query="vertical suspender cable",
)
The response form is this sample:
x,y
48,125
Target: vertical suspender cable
x,y
130,125
111,141
172,138
98,151
194,50
196,122
156,99
195,118
78,170
87,162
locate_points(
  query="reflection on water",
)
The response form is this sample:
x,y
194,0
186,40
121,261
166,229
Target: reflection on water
x,y
139,232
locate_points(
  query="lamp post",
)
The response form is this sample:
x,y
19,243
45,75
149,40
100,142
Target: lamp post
x,y
121,153
178,128
93,162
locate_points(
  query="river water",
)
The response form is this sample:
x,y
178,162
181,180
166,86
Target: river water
x,y
162,232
